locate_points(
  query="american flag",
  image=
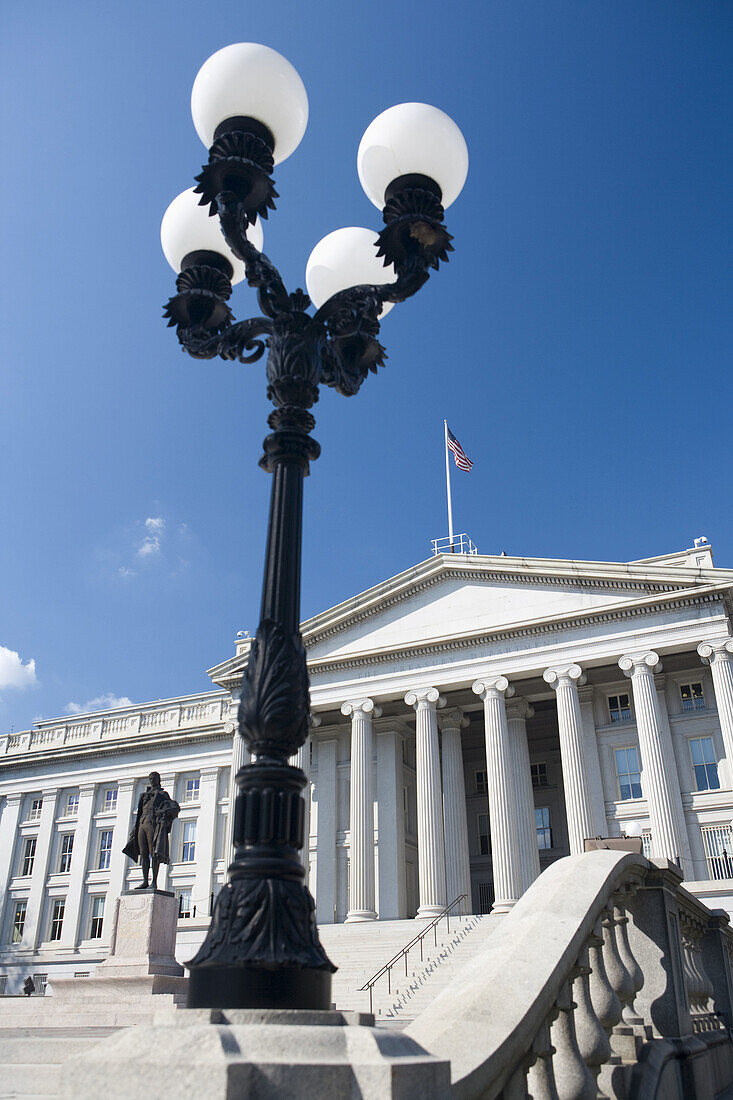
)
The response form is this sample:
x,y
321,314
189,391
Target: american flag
x,y
463,462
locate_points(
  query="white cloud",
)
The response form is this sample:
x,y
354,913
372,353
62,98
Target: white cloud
x,y
155,526
107,701
13,673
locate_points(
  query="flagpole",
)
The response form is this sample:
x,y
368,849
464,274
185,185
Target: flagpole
x,y
447,487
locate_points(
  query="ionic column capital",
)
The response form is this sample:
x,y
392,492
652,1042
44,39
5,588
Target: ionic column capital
x,y
493,687
453,718
519,708
361,708
315,721
563,675
644,662
425,699
718,651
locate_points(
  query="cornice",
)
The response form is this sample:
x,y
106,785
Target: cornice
x,y
101,749
537,627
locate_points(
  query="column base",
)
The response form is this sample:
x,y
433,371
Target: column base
x,y
358,916
503,905
429,912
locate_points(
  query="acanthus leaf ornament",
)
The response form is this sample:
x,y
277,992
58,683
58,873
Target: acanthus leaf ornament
x,y
274,710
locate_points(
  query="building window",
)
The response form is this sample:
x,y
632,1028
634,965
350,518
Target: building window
x,y
619,707
110,799
693,697
184,905
484,837
34,813
482,782
539,774
628,772
29,855
57,918
542,825
105,849
97,917
188,854
191,793
718,844
704,763
72,805
67,847
19,921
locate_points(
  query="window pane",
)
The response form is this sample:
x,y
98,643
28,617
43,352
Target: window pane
x,y
624,788
708,752
621,767
701,777
696,751
632,760
713,781
635,786
697,691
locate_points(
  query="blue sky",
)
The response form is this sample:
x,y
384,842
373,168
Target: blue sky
x,y
578,341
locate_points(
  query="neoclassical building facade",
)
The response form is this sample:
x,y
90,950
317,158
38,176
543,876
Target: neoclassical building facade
x,y
474,719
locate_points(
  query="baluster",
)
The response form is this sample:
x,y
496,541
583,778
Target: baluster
x,y
573,1078
618,975
593,1041
516,1086
605,1002
630,964
541,1075
691,977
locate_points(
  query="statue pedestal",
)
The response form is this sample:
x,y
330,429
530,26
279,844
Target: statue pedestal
x,y
141,961
226,1054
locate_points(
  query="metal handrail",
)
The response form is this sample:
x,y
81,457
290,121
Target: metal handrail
x,y
387,968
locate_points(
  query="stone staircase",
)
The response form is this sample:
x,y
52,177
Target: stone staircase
x,y
37,1034
30,1059
359,950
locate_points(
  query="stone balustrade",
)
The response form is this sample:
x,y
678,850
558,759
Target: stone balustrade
x,y
140,721
605,955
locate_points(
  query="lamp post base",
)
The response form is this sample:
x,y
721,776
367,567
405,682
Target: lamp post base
x,y
259,987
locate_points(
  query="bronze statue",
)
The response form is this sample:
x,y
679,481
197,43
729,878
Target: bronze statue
x,y
149,839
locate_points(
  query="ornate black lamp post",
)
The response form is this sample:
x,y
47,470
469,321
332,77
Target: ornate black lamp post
x,y
250,108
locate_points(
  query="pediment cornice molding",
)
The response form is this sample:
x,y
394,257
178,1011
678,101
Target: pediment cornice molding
x,y
512,631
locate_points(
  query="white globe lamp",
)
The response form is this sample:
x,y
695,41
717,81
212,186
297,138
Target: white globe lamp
x,y
187,228
248,80
412,139
345,258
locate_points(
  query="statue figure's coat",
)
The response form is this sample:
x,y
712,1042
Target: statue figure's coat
x,y
165,810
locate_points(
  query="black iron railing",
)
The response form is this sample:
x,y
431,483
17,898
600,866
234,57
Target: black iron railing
x,y
418,939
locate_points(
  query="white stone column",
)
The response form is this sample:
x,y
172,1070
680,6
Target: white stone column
x,y
205,839
676,787
578,805
32,932
361,811
502,819
517,713
430,837
719,655
119,863
392,894
9,818
71,933
240,757
656,777
593,761
457,868
302,760
326,796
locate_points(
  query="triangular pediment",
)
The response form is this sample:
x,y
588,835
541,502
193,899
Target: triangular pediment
x,y
460,596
